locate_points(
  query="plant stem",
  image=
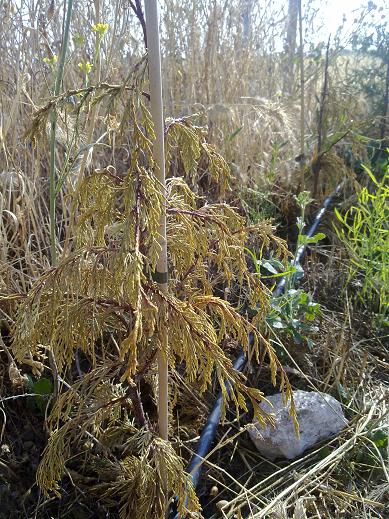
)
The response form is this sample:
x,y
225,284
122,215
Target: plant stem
x,y
87,157
57,87
302,99
91,122
154,56
316,167
385,114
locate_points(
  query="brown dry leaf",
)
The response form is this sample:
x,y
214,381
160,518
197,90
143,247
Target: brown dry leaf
x,y
16,378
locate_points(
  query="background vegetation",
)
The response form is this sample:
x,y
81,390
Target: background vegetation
x,y
264,119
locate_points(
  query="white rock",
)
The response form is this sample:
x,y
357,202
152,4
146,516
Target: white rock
x,y
320,417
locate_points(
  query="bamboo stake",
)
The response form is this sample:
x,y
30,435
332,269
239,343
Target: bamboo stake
x,y
154,55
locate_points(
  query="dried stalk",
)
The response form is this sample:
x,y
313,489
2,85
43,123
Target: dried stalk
x,y
317,163
57,87
385,113
87,157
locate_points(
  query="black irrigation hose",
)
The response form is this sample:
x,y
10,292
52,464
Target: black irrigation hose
x,y
311,231
209,431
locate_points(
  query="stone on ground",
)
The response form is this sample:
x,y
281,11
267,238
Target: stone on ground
x,y
320,417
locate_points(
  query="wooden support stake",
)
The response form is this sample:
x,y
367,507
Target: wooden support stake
x,y
154,55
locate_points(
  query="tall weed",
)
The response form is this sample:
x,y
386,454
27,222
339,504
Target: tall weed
x,y
365,234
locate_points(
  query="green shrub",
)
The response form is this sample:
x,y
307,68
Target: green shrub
x,y
364,232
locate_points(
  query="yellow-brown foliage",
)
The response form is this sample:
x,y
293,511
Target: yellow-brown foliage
x,y
102,300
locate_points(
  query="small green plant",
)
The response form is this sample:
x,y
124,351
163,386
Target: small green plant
x,y
85,66
79,39
369,458
365,234
293,314
100,28
42,389
303,199
258,205
273,266
51,61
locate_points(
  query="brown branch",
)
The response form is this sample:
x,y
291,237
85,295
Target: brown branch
x,y
137,405
137,8
189,271
199,214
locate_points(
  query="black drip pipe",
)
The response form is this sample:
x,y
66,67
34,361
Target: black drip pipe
x,y
311,231
209,431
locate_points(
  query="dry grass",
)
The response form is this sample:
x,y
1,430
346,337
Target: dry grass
x,y
344,477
